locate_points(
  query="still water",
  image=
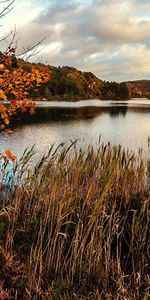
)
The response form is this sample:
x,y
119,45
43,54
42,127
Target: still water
x,y
121,122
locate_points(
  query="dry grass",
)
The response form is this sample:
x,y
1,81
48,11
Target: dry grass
x,y
78,227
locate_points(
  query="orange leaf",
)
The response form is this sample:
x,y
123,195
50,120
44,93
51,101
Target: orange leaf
x,y
9,131
10,155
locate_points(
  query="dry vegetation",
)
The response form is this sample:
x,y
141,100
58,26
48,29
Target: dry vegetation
x,y
77,227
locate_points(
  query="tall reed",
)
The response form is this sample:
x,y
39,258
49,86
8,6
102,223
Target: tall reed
x,y
77,226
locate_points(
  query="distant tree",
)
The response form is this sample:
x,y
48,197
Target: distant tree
x,y
114,90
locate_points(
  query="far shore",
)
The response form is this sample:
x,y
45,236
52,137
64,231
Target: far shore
x,y
57,99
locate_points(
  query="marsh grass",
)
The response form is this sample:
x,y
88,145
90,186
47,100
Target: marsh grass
x,y
77,226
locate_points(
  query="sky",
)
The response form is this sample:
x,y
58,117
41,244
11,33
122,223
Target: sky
x,y
110,38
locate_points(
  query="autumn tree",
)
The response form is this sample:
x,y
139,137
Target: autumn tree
x,y
15,81
15,86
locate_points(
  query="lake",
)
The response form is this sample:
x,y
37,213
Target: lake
x,y
119,122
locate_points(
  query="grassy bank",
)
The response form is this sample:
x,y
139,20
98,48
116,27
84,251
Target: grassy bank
x,y
78,227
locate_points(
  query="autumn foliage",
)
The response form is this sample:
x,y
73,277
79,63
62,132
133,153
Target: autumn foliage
x,y
15,85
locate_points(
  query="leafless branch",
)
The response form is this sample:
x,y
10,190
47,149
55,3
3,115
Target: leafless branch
x,y
6,9
31,51
6,37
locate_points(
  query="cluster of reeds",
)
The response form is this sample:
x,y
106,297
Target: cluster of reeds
x,y
77,226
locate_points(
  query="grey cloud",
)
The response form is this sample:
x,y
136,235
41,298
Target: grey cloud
x,y
109,37
58,11
139,1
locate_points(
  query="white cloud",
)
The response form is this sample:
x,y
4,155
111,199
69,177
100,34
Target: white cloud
x,y
108,37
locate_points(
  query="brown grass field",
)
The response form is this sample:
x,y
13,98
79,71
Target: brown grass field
x,y
76,226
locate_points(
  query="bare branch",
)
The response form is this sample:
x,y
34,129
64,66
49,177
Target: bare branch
x,y
6,9
6,37
10,39
31,51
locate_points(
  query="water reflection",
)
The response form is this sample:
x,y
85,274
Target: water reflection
x,y
45,114
128,125
115,111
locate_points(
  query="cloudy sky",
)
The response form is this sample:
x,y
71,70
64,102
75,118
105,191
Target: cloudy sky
x,y
110,38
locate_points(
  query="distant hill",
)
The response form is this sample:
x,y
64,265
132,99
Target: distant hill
x,y
69,83
139,88
72,84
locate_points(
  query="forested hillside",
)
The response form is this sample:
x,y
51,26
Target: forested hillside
x,y
139,88
71,84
